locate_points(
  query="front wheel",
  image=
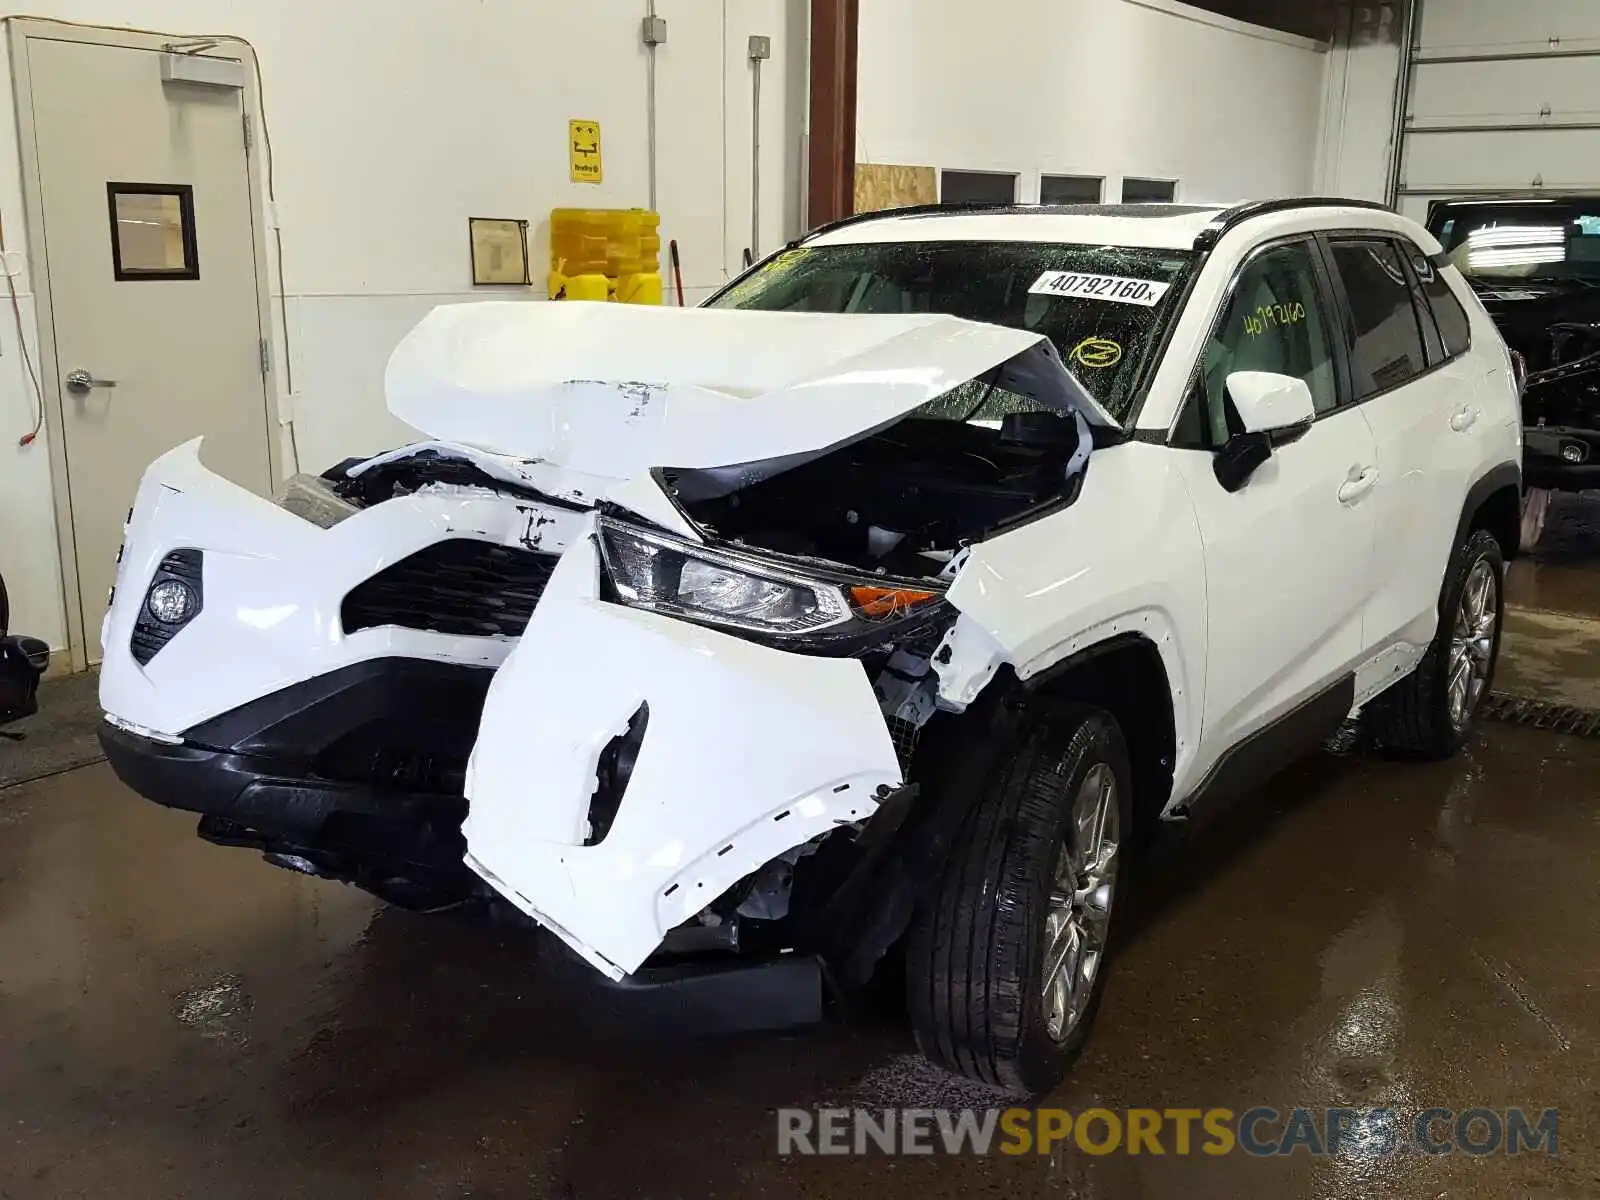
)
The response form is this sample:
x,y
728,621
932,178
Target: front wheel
x,y
1430,713
1006,960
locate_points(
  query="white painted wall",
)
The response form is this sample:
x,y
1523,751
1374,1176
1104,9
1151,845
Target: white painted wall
x,y
393,121
1148,88
1355,146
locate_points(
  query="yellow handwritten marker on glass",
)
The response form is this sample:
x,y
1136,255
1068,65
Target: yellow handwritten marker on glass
x,y
1097,353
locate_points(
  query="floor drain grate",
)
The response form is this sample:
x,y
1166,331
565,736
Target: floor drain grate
x,y
1542,714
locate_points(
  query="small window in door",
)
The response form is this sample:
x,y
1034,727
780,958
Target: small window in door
x,y
977,187
1071,189
1385,334
1148,191
152,231
1275,321
1454,327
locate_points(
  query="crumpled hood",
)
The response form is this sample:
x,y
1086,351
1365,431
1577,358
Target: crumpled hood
x,y
613,390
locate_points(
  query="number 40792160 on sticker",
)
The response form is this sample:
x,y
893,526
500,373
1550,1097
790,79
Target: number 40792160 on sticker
x,y
1085,286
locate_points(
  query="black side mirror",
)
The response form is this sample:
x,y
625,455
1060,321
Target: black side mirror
x,y
1240,457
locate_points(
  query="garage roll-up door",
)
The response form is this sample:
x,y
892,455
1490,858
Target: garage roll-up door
x,y
1502,96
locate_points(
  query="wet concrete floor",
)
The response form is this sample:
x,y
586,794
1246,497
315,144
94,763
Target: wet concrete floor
x,y
178,1019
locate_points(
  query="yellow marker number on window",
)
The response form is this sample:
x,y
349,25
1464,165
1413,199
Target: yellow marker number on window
x,y
1273,316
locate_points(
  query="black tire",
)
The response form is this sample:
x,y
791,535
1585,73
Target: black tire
x,y
1413,717
974,963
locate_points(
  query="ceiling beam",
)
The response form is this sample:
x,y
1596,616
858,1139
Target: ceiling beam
x,y
835,26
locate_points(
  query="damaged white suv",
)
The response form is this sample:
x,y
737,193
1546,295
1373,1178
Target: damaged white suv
x,y
867,616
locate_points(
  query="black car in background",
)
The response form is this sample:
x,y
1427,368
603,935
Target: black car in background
x,y
1535,262
22,662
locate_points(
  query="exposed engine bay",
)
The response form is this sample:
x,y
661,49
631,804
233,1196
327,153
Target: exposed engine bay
x,y
904,500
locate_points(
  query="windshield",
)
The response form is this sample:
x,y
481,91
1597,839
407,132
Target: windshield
x,y
1106,308
1533,240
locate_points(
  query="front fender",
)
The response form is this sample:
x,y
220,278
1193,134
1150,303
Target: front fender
x,y
1124,559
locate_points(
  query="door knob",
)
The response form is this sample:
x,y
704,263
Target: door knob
x,y
81,381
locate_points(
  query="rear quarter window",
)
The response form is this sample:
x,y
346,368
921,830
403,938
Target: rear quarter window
x,y
1455,328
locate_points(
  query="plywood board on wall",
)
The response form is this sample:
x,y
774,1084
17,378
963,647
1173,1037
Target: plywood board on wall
x,y
884,185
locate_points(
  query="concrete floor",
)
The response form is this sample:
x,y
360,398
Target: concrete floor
x,y
182,1020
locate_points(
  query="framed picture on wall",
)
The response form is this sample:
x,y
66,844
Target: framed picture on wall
x,y
499,251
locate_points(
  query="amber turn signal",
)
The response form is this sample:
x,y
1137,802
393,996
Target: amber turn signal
x,y
885,602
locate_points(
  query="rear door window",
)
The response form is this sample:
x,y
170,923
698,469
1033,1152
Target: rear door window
x,y
1385,333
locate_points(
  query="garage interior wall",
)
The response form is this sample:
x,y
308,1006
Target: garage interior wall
x,y
1144,88
1549,97
1518,89
1355,151
393,121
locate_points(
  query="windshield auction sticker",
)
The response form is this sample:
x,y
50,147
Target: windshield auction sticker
x,y
1081,285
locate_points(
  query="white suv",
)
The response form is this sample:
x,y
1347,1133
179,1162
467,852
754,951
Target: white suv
x,y
867,616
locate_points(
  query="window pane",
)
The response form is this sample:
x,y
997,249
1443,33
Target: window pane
x,y
152,232
1148,191
1110,343
1416,260
977,187
1275,322
1454,328
1070,189
1386,340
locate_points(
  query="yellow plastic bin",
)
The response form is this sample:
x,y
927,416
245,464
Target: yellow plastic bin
x,y
621,245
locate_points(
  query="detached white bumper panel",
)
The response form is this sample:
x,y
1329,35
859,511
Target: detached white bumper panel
x,y
273,585
748,752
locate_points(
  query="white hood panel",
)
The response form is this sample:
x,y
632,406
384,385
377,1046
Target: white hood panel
x,y
613,390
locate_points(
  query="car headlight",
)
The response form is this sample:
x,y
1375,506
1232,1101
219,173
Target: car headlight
x,y
745,592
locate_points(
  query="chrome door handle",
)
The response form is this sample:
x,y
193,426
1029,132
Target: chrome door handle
x,y
1361,481
81,381
1464,420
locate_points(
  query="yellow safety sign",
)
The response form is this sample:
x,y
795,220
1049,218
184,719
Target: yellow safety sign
x,y
584,138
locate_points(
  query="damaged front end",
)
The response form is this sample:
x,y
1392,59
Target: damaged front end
x,y
712,719
696,631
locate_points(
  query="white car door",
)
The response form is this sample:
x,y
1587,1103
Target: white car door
x,y
1288,555
1422,406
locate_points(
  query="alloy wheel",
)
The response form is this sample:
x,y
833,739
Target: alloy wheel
x,y
1078,911
1472,642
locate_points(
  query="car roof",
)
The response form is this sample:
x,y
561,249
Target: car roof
x,y
1156,226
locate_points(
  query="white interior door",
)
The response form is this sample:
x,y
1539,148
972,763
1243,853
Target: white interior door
x,y
146,205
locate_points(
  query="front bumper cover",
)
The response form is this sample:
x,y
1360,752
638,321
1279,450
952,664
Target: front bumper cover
x,y
748,752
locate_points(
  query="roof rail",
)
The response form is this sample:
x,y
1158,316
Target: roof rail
x,y
910,210
1231,218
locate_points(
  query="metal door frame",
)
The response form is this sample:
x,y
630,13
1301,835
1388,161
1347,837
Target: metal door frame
x,y
20,31
1412,59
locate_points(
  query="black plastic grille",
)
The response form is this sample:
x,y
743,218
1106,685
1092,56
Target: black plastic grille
x,y
461,586
149,634
905,735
